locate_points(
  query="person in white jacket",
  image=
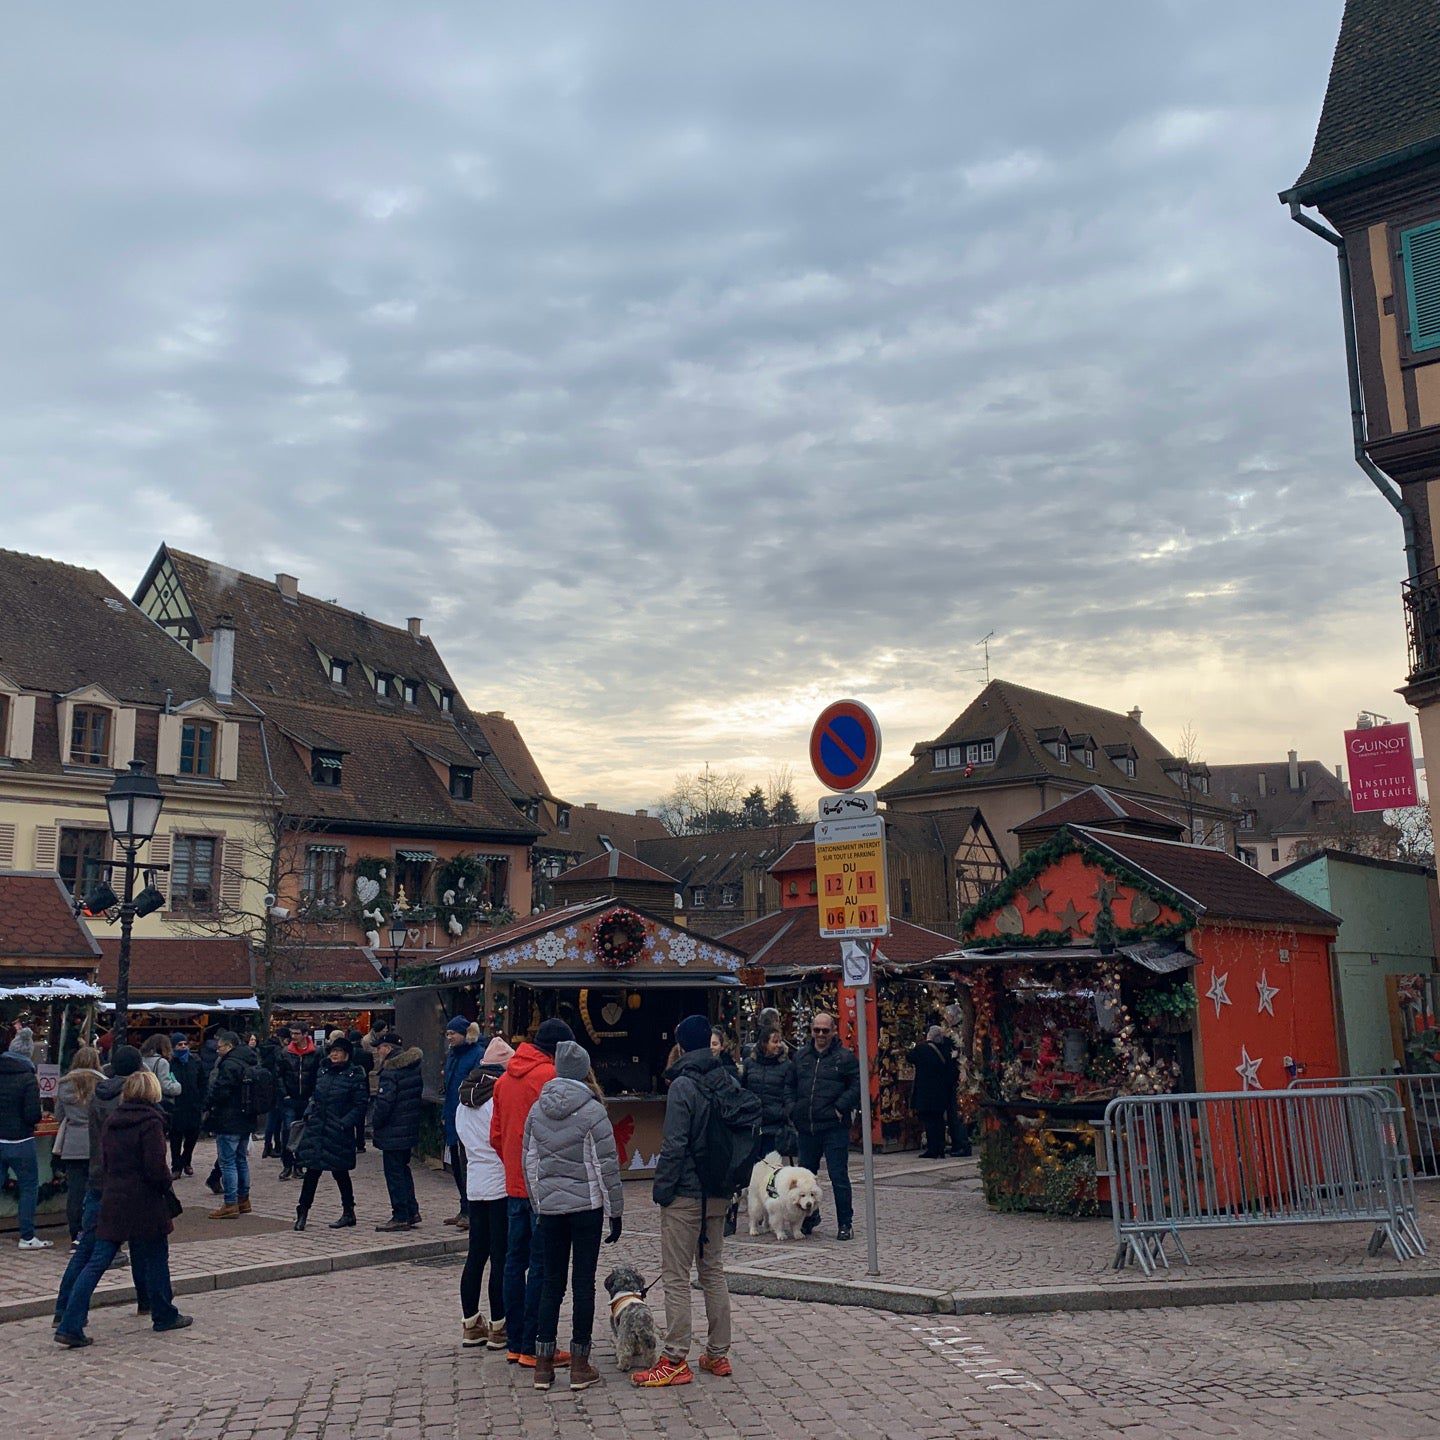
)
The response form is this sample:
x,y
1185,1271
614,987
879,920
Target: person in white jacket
x,y
156,1053
489,1207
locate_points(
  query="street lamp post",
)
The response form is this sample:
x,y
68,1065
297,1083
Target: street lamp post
x,y
134,803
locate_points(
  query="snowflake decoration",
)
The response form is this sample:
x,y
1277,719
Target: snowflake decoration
x,y
683,949
551,949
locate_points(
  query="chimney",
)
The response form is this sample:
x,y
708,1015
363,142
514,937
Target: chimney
x,y
222,658
288,586
413,626
1134,715
1294,760
1338,775
592,804
1264,788
645,814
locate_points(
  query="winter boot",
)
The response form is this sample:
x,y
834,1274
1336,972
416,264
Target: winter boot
x,y
544,1364
243,1204
582,1373
301,1215
498,1339
345,1222
226,1212
472,1331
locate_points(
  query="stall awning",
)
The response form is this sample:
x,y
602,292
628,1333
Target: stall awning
x,y
612,980
416,857
249,1003
60,988
347,1007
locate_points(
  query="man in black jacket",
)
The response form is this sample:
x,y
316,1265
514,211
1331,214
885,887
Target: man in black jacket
x,y
299,1065
827,1094
19,1115
395,1126
231,1112
189,1107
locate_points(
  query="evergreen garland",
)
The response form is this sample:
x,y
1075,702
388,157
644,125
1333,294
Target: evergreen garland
x,y
1036,861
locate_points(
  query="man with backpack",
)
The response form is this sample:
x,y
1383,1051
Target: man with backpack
x,y
241,1090
710,1129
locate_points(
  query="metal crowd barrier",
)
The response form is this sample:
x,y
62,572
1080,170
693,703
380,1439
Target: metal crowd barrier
x,y
1419,1097
1238,1159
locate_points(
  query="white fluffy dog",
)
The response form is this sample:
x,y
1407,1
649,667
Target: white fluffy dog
x,y
781,1196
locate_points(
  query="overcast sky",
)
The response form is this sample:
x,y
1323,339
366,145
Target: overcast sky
x,y
687,365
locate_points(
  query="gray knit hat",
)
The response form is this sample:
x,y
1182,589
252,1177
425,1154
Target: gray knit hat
x,y
572,1061
23,1045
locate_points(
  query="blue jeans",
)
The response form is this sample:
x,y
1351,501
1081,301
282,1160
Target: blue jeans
x,y
277,1124
834,1145
150,1265
80,1255
234,1154
18,1158
524,1276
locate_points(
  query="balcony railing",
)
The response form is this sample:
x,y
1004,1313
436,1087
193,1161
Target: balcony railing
x,y
1422,624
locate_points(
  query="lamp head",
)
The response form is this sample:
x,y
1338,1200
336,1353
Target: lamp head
x,y
134,803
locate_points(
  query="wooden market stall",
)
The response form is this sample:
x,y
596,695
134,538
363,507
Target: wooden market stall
x,y
620,976
1113,963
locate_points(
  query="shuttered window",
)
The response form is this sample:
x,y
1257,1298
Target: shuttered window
x,y
1420,251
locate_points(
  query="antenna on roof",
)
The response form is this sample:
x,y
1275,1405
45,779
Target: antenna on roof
x,y
985,641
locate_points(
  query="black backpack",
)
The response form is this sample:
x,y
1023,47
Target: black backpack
x,y
257,1091
728,1132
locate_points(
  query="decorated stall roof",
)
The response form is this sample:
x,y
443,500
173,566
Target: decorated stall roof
x,y
788,942
575,944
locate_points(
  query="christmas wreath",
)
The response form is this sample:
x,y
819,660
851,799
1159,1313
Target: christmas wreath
x,y
619,938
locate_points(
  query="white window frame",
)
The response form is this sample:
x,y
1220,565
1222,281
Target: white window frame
x,y
338,672
382,685
1062,752
411,691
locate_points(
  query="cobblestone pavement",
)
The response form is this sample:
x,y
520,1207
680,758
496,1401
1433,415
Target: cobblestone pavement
x,y
373,1353
936,1232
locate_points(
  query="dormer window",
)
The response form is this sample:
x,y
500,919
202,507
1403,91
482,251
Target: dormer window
x,y
729,895
462,782
1062,752
1087,759
1247,820
1202,782
197,748
411,690
562,818
89,736
325,768
447,701
697,894
339,670
982,753
1126,764
383,686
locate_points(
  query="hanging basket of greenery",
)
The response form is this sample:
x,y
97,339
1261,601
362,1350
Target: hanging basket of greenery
x,y
1167,1009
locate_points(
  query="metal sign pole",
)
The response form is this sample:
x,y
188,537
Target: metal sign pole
x,y
872,1242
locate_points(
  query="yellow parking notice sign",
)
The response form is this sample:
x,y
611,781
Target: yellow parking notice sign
x,y
850,874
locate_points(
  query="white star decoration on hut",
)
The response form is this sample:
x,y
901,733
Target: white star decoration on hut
x,y
1248,1070
1216,992
1268,992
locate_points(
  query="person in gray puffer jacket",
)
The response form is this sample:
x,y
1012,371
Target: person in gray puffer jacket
x,y
572,1171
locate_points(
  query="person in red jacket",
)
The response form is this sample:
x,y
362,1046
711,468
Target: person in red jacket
x,y
515,1092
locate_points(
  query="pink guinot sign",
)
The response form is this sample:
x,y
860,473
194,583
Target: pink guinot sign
x,y
1382,768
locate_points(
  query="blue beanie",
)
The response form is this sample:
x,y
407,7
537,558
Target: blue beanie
x,y
693,1033
459,1024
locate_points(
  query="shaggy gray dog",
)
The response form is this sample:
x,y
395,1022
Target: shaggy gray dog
x,y
637,1342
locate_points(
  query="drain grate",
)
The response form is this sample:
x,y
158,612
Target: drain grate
x,y
437,1262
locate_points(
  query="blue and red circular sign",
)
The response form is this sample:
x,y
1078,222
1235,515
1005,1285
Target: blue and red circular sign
x,y
845,745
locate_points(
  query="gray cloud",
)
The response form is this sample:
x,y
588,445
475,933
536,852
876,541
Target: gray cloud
x,y
684,365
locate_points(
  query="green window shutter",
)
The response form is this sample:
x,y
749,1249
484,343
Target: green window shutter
x,y
1420,250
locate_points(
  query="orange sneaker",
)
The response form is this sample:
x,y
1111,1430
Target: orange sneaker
x,y
512,1357
716,1365
665,1371
527,1362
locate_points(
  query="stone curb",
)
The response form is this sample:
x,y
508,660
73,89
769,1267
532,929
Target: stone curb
x,y
259,1274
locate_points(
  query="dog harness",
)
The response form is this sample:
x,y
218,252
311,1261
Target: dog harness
x,y
774,1170
624,1300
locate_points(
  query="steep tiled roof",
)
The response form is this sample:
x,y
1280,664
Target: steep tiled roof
x,y
385,776
185,968
616,865
503,738
38,923
800,856
623,828
330,965
1223,887
1382,98
790,940
1319,806
62,627
1097,806
1012,716
721,856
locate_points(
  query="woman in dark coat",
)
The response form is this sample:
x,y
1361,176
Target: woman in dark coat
x,y
770,1077
188,1108
134,1210
335,1109
933,1089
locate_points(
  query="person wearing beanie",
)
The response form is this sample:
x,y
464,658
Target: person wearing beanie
x,y
395,1123
572,1171
489,1205
463,1049
516,1091
270,1050
328,1141
299,1065
189,1106
19,1115
692,1203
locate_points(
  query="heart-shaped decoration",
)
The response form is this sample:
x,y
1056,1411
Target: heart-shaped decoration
x,y
366,889
413,936
611,1013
